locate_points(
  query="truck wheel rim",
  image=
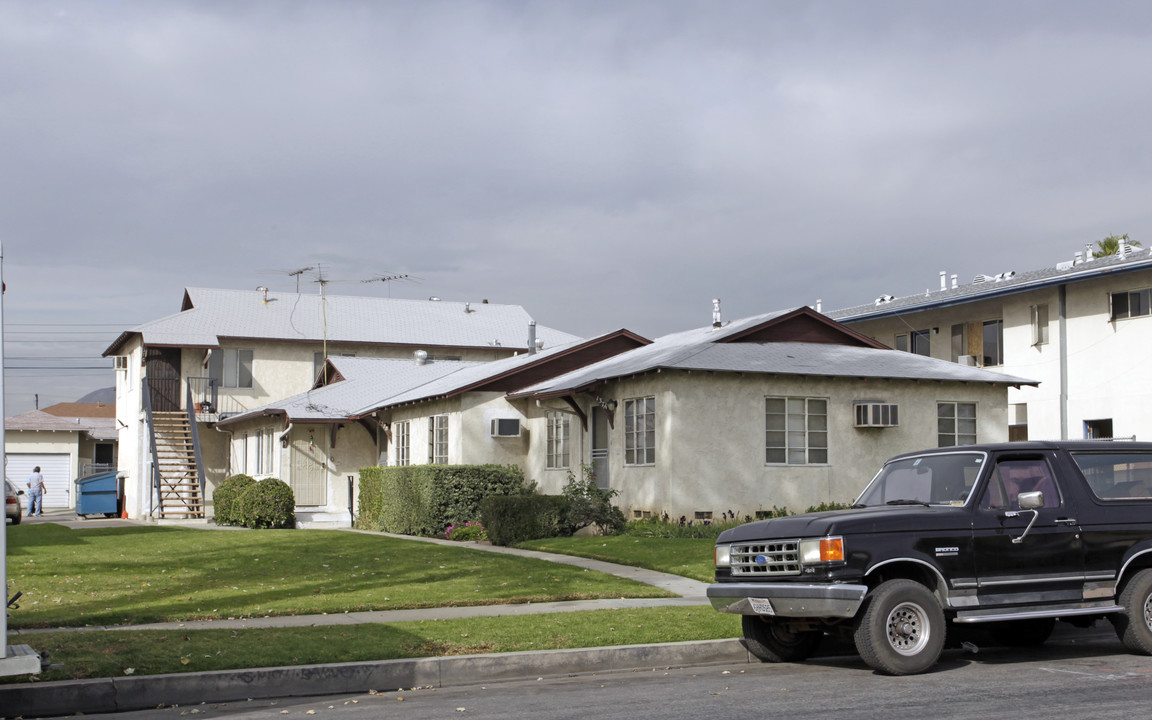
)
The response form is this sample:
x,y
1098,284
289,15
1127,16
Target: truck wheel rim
x,y
908,628
1148,611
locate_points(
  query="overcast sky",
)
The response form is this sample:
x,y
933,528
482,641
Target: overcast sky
x,y
603,164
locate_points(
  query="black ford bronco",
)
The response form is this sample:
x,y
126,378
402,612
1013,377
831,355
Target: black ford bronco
x,y
1014,536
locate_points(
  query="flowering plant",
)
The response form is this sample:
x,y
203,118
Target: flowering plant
x,y
468,531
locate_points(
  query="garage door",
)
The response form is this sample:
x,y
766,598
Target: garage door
x,y
56,469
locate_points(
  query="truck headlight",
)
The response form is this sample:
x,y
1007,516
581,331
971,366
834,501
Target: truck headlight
x,y
723,556
822,550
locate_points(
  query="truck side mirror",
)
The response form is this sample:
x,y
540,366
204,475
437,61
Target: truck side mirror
x,y
1031,500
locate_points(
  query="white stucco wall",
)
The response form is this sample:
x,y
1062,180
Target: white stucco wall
x,y
710,440
1105,378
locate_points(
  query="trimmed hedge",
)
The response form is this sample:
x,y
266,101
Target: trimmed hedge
x,y
268,504
426,499
225,497
515,518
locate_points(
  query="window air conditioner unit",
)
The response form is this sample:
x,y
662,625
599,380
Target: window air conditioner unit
x,y
120,362
876,414
506,427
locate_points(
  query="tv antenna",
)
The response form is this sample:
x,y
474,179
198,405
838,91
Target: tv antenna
x,y
297,274
388,277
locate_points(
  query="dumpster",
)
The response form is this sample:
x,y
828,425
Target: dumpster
x,y
98,494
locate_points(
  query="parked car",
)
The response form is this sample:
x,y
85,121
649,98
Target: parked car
x,y
1009,537
13,508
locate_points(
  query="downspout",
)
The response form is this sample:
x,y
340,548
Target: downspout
x,y
1062,311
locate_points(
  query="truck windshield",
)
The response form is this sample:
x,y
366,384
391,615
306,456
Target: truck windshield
x,y
939,479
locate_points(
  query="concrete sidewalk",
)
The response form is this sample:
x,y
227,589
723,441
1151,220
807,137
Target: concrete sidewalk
x,y
132,693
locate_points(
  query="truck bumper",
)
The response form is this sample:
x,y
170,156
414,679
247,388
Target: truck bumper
x,y
787,599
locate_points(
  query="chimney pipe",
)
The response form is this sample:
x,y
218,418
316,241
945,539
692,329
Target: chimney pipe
x,y
531,337
943,280
955,282
716,312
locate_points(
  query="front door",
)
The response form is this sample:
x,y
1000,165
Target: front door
x,y
1047,565
600,447
309,478
163,369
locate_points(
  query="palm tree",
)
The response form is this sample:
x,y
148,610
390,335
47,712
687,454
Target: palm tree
x,y
1109,245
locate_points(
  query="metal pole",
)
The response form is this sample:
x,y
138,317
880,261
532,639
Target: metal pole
x,y
15,659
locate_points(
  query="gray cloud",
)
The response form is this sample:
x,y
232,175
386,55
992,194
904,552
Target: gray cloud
x,y
605,165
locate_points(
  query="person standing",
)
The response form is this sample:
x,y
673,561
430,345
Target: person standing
x,y
36,488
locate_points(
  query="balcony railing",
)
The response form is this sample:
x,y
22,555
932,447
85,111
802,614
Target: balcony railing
x,y
210,403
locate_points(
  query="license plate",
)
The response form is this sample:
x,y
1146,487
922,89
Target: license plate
x,y
761,606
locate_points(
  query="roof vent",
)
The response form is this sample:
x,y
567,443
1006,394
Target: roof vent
x,y
421,357
884,299
981,278
265,291
468,308
1006,275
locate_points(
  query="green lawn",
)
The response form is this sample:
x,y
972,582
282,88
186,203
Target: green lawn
x,y
690,557
113,653
110,576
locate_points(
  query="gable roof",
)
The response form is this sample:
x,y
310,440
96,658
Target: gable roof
x,y
364,385
99,428
986,287
727,349
207,315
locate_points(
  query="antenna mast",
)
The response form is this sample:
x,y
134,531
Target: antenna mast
x,y
298,273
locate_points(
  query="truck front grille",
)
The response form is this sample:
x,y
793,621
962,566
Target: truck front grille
x,y
761,559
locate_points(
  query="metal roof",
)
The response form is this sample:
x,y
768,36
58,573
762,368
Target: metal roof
x,y
370,384
212,314
703,349
1003,284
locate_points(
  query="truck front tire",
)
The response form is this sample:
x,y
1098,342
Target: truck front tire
x,y
770,641
900,629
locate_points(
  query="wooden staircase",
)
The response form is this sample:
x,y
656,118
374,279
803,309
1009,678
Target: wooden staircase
x,y
179,482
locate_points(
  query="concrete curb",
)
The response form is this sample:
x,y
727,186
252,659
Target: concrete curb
x,y
123,694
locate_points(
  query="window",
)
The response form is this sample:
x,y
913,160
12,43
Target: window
x,y
796,430
918,342
1017,422
640,431
263,452
955,424
558,428
1131,304
1117,475
1010,478
1039,324
959,342
993,343
1098,429
231,367
400,437
438,440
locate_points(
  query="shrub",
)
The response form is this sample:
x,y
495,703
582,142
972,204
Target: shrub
x,y
512,519
665,527
426,499
268,504
225,499
590,505
828,506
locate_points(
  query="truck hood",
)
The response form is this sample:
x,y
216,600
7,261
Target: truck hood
x,y
883,518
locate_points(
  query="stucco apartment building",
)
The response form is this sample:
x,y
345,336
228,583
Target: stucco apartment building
x,y
1081,327
230,351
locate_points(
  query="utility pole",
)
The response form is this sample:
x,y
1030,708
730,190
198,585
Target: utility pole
x,y
14,659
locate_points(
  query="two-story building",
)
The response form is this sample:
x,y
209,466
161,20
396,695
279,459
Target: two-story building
x,y
1080,327
227,352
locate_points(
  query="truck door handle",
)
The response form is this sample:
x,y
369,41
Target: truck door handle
x,y
1065,521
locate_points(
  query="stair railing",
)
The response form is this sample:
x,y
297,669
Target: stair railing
x,y
195,432
154,495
